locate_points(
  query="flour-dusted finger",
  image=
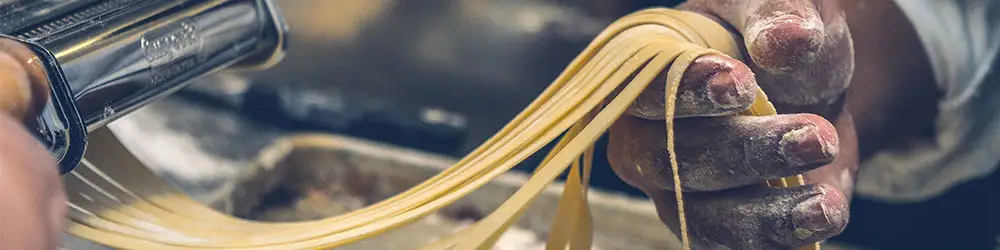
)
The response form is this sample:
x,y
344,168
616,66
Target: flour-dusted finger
x,y
779,34
758,217
713,85
801,50
721,153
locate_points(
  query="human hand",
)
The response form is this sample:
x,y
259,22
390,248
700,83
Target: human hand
x,y
32,202
801,51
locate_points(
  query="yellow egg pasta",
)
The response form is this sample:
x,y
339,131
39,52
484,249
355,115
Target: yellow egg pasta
x,y
118,202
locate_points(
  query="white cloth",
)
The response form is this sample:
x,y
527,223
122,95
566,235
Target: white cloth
x,y
962,39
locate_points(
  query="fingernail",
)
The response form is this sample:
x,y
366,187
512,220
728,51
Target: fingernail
x,y
722,90
729,89
804,146
781,43
810,217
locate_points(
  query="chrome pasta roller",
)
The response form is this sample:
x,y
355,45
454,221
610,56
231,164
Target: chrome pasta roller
x,y
101,59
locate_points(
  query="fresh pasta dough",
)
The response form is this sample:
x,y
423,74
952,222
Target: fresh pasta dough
x,y
118,202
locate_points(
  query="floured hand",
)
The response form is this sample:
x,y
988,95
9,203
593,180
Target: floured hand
x,y
802,55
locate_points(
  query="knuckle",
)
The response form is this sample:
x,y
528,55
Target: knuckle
x,y
650,103
16,86
634,154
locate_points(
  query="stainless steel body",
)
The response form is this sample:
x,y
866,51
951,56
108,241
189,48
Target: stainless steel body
x,y
118,55
106,58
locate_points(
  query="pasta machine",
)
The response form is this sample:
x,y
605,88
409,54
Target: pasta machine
x,y
105,58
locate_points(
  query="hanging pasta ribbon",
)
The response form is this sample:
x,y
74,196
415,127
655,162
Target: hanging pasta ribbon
x,y
118,202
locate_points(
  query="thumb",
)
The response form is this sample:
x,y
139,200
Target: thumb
x,y
778,33
32,202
